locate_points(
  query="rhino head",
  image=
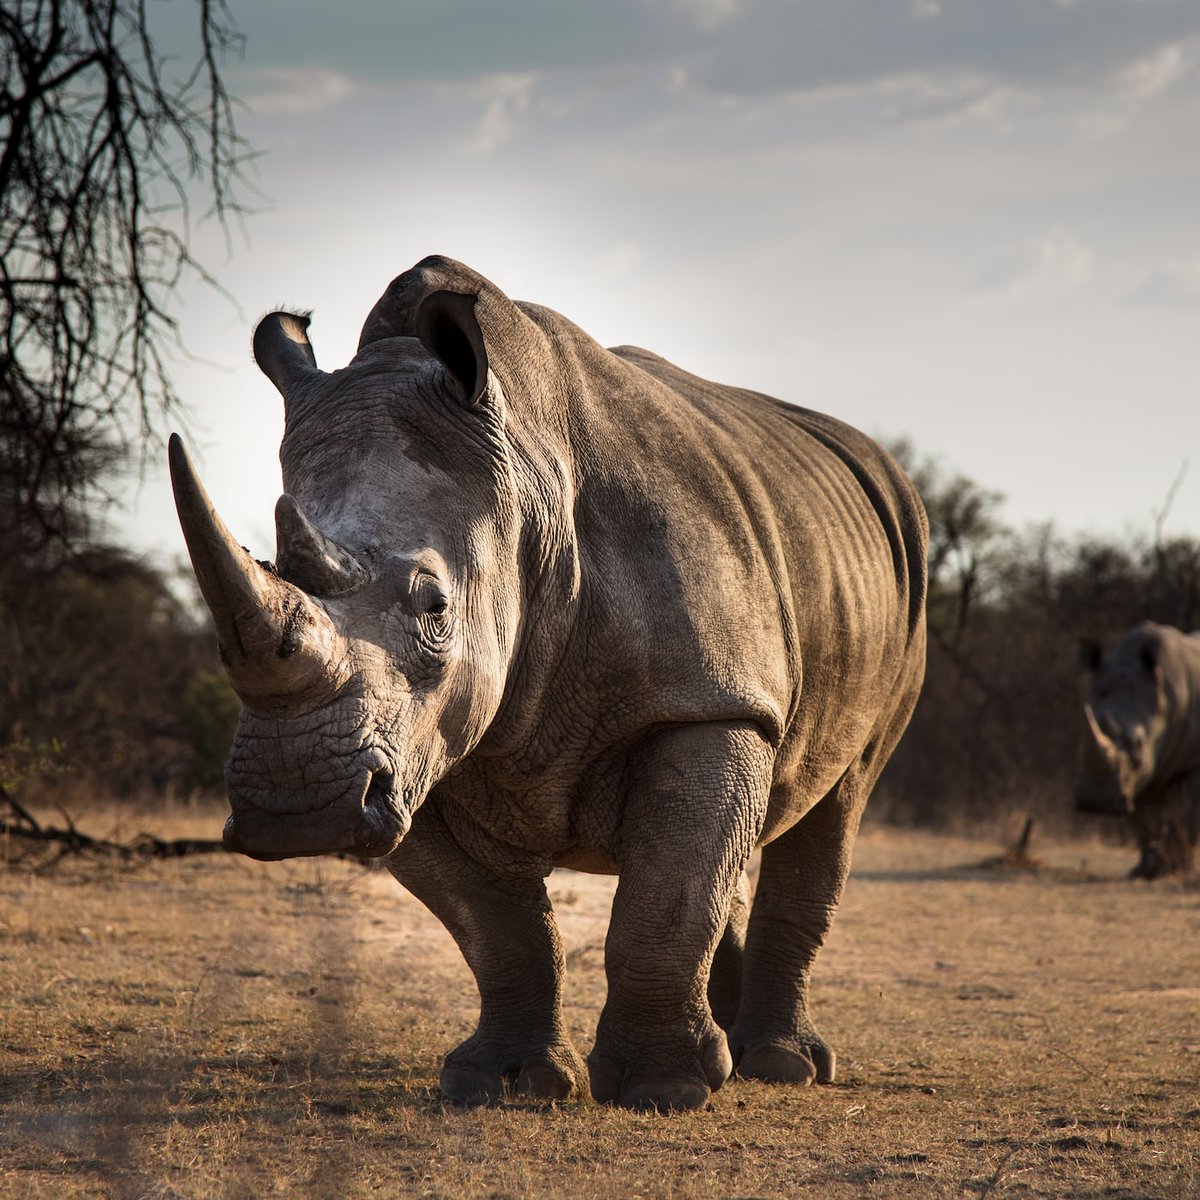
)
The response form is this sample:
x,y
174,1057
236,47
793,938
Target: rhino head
x,y
373,653
1124,722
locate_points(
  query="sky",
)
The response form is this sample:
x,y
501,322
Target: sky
x,y
972,223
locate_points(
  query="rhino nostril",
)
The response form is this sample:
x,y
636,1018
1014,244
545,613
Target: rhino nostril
x,y
384,819
380,790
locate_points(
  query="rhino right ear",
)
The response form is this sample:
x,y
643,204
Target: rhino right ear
x,y
283,351
449,330
1091,653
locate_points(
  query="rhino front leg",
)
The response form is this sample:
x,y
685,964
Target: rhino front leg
x,y
507,933
1166,821
695,805
725,976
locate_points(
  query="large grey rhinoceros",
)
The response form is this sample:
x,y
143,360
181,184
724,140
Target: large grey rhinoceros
x,y
539,604
1140,747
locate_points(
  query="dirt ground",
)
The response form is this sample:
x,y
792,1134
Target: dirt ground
x,y
216,1027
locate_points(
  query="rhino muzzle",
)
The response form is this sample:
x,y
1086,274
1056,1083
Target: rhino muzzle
x,y
1101,801
372,829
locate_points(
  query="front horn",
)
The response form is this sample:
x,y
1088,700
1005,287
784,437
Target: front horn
x,y
274,640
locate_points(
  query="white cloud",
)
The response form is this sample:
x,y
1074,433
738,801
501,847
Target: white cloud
x,y
950,100
1055,265
507,100
1173,285
297,90
1128,92
707,14
1153,73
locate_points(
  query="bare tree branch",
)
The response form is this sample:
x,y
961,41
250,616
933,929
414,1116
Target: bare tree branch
x,y
107,141
1160,517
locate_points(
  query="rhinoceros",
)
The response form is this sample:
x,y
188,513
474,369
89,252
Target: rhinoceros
x,y
1140,745
540,604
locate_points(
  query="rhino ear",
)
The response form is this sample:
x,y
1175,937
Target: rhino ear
x,y
1091,653
448,329
283,351
1148,653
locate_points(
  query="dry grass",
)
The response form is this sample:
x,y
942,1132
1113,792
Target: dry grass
x,y
216,1027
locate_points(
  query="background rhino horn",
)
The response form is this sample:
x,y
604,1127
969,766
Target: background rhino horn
x,y
306,557
283,351
1096,741
261,621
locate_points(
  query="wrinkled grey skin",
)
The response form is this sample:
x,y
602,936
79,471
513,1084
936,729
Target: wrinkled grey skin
x,y
537,604
1140,746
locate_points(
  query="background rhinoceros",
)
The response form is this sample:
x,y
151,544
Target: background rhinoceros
x,y
1140,746
536,604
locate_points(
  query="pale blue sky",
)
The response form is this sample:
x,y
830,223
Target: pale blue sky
x,y
974,223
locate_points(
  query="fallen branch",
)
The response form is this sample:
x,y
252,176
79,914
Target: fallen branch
x,y
26,828
72,841
1017,856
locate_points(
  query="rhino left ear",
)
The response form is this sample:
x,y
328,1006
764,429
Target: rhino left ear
x,y
448,329
283,351
1148,652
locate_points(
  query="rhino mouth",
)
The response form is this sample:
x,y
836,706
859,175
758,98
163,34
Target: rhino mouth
x,y
373,830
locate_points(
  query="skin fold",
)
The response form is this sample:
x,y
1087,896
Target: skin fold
x,y
537,603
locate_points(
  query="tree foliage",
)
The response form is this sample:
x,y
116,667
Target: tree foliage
x,y
999,719
103,668
106,140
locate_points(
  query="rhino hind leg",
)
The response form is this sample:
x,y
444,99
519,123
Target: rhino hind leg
x,y
508,935
800,883
657,1045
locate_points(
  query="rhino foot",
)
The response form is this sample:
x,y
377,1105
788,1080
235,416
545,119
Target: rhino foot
x,y
645,1082
1152,865
478,1074
788,1060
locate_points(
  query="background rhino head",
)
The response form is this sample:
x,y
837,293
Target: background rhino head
x,y
373,653
1125,720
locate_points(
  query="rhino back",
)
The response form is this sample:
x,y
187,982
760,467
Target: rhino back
x,y
741,559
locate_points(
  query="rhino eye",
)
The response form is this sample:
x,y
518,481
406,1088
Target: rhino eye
x,y
433,610
432,601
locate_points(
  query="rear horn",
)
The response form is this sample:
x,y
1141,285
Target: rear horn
x,y
306,557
